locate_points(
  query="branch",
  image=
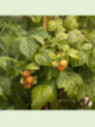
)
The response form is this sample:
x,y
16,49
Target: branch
x,y
45,23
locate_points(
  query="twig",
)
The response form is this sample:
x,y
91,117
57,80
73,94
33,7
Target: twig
x,y
45,23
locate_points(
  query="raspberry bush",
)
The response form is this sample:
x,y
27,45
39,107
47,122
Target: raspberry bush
x,y
47,62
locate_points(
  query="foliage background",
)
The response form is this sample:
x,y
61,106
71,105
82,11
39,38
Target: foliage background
x,y
25,44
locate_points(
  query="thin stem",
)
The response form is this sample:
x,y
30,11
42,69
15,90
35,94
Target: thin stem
x,y
45,23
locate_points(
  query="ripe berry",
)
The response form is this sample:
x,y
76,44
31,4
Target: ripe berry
x,y
63,63
61,68
29,79
27,86
54,64
26,73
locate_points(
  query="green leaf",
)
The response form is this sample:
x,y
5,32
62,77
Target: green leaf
x,y
52,25
7,40
70,81
87,47
91,35
83,59
27,47
43,34
50,72
3,63
9,59
11,44
41,95
93,52
70,22
66,48
91,92
74,53
38,39
92,63
88,90
43,58
75,38
86,74
61,36
1,91
82,92
92,60
4,104
36,19
52,83
5,84
32,66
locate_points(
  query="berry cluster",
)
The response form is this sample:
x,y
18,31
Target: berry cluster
x,y
61,65
27,79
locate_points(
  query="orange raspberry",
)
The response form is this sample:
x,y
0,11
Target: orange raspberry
x,y
63,63
26,73
54,64
61,68
27,86
29,79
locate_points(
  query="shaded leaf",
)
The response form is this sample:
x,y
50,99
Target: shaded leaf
x,y
41,95
43,58
32,66
27,47
5,84
70,81
83,59
38,39
74,53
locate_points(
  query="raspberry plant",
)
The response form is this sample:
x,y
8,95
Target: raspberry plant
x,y
47,62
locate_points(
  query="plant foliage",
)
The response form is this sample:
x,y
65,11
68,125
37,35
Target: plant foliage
x,y
51,68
